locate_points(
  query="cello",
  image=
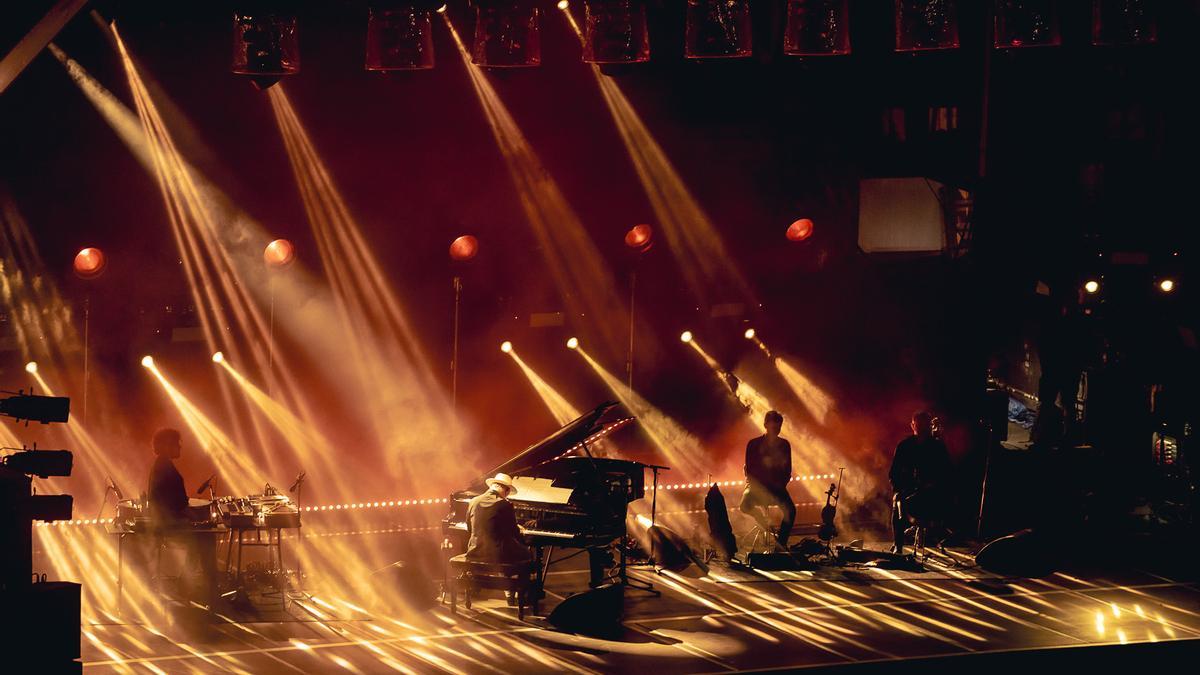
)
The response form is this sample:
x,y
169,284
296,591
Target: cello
x,y
828,530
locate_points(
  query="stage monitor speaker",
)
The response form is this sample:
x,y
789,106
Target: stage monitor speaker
x,y
671,552
594,612
1021,554
900,215
403,582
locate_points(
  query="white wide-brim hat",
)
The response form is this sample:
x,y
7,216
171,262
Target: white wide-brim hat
x,y
502,479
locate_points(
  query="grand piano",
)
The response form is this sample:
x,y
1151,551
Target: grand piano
x,y
566,497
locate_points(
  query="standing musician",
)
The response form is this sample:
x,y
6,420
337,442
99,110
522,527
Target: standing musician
x,y
493,535
919,472
167,501
768,470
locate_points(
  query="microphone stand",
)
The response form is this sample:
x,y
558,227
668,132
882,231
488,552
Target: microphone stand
x,y
298,487
626,580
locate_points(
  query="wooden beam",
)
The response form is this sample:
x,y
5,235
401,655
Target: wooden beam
x,y
36,40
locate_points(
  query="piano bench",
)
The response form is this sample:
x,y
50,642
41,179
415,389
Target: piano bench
x,y
471,575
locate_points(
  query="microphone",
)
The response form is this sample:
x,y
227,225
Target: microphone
x,y
298,481
204,486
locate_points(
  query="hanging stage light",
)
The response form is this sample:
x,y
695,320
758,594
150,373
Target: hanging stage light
x,y
147,361
573,343
507,34
89,263
1124,22
266,46
923,25
640,237
400,37
614,31
817,28
464,248
31,367
279,253
685,336
1166,285
718,29
800,230
749,334
1091,286
1026,23
218,357
506,347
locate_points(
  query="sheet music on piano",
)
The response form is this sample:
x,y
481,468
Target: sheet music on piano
x,y
535,489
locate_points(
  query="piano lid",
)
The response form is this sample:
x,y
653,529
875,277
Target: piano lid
x,y
553,445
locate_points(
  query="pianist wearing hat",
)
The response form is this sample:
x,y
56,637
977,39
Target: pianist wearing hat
x,y
492,525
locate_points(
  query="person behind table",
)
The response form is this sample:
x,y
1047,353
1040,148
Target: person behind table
x,y
167,503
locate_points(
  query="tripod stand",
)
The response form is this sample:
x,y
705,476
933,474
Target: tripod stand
x,y
623,577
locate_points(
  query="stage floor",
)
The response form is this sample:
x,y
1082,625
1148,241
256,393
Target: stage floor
x,y
733,619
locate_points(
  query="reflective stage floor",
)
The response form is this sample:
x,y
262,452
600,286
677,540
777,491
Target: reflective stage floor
x,y
734,619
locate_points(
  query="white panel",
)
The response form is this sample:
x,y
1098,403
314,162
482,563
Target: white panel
x,y
900,215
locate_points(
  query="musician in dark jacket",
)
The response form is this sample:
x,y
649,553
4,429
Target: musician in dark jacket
x,y
919,474
492,525
768,471
167,502
166,496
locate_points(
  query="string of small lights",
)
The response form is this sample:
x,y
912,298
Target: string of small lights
x,y
401,503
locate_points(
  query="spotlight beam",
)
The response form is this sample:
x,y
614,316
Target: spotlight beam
x,y
556,403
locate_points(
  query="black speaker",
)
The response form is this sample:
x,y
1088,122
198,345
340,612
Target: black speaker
x,y
1021,554
670,550
594,612
402,582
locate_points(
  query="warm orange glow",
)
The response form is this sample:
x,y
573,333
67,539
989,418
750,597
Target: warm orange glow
x,y
89,262
563,4
218,357
749,333
464,247
506,347
800,230
560,408
686,336
573,343
31,367
147,361
1091,286
279,253
1166,285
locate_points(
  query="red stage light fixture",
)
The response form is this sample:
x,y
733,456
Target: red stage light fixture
x,y
89,263
639,237
266,46
718,29
506,347
464,248
1166,285
685,336
31,367
1026,23
817,28
923,25
614,31
800,230
507,34
399,37
1091,286
279,253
